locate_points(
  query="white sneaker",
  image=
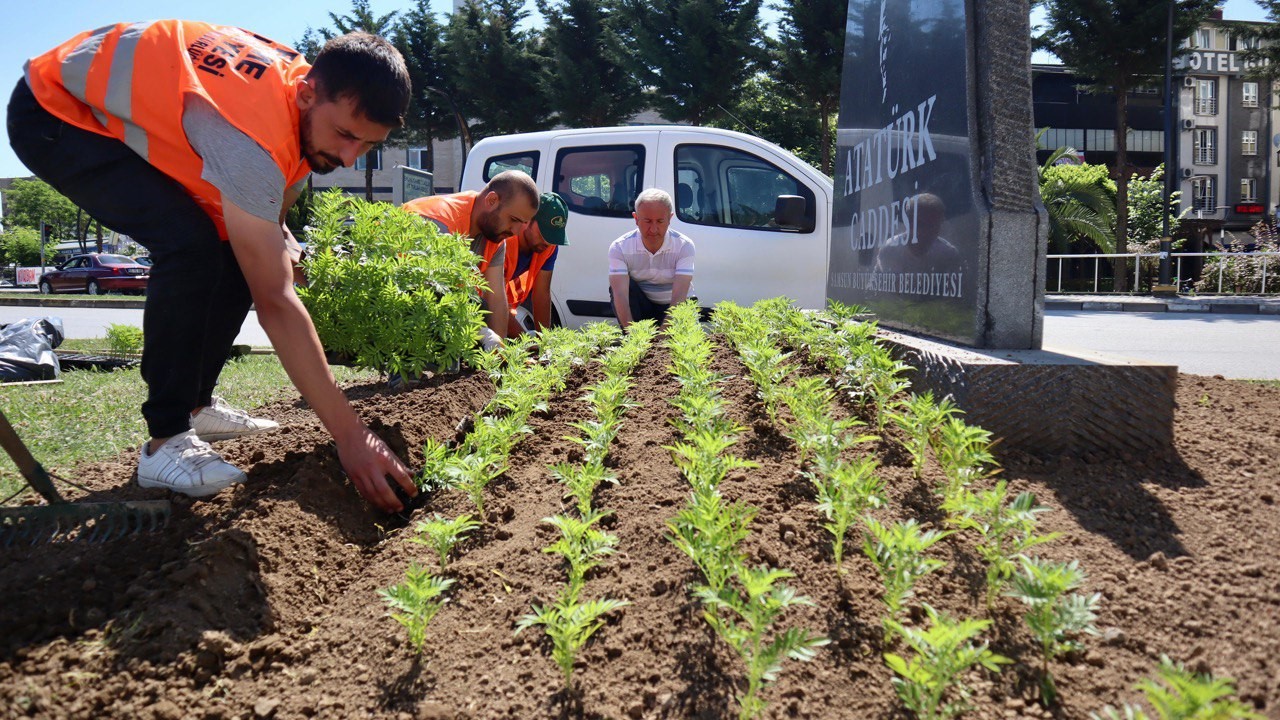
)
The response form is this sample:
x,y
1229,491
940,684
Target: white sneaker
x,y
188,465
220,421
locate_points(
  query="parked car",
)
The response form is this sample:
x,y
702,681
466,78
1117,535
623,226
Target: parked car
x,y
143,260
96,273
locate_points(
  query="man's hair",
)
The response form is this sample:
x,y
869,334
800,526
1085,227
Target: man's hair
x,y
367,69
509,183
656,195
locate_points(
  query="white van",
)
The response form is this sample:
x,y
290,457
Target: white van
x,y
759,217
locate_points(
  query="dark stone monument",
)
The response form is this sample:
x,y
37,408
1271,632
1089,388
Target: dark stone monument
x,y
936,224
938,229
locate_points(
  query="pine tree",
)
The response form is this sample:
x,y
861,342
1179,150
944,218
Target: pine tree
x,y
420,38
692,55
1266,57
1115,45
586,83
493,66
810,52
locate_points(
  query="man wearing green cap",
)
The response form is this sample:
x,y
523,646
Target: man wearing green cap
x,y
539,243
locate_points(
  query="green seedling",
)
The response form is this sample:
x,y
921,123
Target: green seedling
x,y
929,682
1056,616
710,531
581,544
580,483
596,437
768,369
570,625
1180,694
745,619
921,420
443,535
1005,532
703,458
846,491
473,473
898,552
964,451
415,602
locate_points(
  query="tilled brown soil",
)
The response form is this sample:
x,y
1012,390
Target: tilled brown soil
x,y
261,602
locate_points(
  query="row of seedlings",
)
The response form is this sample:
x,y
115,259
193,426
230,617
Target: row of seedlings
x,y
929,680
569,622
1003,529
741,603
524,385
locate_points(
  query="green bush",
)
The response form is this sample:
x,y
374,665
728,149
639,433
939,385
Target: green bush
x,y
387,290
124,339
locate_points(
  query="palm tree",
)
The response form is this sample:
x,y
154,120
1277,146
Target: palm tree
x,y
1076,208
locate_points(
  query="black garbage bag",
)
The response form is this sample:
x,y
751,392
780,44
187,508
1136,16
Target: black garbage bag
x,y
26,349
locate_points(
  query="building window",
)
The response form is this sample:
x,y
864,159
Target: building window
x,y
1100,140
417,158
1205,144
1151,141
1249,94
1203,39
1055,138
1204,197
1249,142
1206,96
362,162
1248,190
1243,42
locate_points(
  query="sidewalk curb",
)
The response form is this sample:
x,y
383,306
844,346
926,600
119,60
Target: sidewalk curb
x,y
44,301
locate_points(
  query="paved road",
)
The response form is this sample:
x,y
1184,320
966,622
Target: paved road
x,y
93,322
1235,346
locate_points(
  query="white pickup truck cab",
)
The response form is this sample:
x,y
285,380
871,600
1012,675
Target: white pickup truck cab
x,y
759,217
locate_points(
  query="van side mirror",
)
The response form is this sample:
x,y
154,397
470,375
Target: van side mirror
x,y
790,213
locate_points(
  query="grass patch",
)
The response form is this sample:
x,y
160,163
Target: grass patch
x,y
93,415
1268,383
35,297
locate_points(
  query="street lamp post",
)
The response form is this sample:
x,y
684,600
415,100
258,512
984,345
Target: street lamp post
x,y
1166,243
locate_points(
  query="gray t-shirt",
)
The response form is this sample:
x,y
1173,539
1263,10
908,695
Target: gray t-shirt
x,y
234,163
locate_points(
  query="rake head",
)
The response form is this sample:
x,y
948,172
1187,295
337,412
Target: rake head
x,y
80,522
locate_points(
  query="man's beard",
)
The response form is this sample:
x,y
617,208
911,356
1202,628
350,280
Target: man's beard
x,y
489,226
321,163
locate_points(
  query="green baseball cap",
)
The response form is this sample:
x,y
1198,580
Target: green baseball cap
x,y
552,216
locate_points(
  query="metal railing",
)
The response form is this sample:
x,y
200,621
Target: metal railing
x,y
1177,268
1205,156
1206,106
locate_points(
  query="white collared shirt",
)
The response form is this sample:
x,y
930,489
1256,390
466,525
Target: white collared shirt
x,y
653,272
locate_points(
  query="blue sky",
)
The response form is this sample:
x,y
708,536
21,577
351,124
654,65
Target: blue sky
x,y
29,28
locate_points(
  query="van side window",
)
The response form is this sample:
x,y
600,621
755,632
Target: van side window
x,y
526,162
723,187
602,181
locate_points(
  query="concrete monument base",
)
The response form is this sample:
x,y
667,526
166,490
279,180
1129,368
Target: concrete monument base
x,y
1048,401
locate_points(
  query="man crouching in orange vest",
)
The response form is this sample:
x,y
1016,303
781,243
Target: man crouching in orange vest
x,y
491,218
194,140
529,277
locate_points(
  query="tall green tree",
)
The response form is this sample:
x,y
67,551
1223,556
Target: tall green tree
x,y
693,55
420,38
587,83
810,52
20,245
1114,45
31,202
495,70
1266,57
765,107
360,19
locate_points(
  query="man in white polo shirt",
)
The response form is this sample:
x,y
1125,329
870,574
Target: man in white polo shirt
x,y
651,267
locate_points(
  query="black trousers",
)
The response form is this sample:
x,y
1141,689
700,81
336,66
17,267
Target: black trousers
x,y
642,308
197,298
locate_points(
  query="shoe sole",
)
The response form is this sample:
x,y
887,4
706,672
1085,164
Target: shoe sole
x,y
201,491
215,437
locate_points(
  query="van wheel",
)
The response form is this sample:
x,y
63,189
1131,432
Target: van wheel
x,y
94,288
45,288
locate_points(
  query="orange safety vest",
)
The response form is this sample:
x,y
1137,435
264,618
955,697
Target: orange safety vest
x,y
129,80
452,214
518,288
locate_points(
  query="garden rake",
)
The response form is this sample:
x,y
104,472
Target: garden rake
x,y
93,522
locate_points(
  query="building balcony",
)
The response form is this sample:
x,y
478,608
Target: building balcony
x,y
1206,106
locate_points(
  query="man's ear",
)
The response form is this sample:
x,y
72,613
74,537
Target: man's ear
x,y
492,200
306,95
